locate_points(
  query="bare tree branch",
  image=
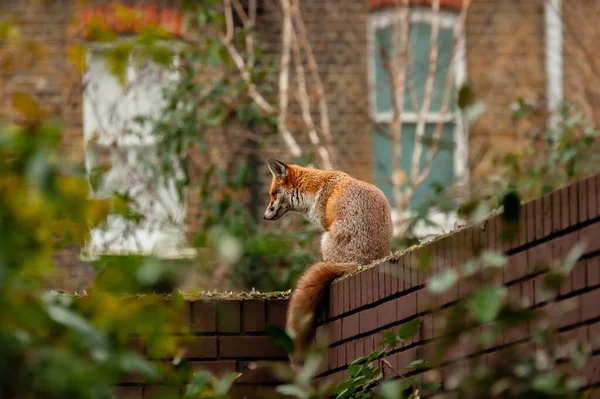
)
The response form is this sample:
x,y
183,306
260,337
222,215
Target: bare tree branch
x,y
425,107
305,105
397,66
458,34
314,70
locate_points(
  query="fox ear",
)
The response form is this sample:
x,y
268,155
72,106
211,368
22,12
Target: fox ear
x,y
278,168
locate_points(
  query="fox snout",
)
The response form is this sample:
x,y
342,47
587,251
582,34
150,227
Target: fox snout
x,y
271,213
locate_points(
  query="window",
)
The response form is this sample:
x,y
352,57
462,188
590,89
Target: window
x,y
112,130
448,162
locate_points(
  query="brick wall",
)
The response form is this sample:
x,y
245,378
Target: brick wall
x,y
223,336
505,60
363,306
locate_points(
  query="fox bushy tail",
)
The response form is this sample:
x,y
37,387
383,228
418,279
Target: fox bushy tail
x,y
307,298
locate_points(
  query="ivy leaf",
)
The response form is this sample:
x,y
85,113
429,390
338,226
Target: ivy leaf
x,y
417,364
410,329
442,281
280,338
465,96
486,303
391,389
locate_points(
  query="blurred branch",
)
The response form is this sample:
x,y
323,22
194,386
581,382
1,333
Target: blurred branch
x,y
397,67
425,107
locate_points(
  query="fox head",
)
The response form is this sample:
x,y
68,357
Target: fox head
x,y
281,191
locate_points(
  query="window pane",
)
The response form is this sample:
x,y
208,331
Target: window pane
x,y
442,170
383,86
420,42
418,64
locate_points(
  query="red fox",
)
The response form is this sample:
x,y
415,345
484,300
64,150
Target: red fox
x,y
355,217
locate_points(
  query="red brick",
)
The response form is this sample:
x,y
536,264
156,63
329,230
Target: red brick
x,y
277,311
406,306
365,282
414,263
354,289
564,208
540,256
386,313
217,367
516,266
597,194
369,344
583,205
427,326
395,284
577,277
594,335
539,218
244,347
591,235
589,303
332,357
204,316
336,299
128,393
360,347
254,315
530,210
228,316
547,211
341,355
593,271
368,320
381,277
556,208
592,197
374,278
199,347
336,330
350,326
350,351
573,205
406,357
387,280
570,311
346,293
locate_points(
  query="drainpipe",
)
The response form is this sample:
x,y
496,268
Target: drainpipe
x,y
554,57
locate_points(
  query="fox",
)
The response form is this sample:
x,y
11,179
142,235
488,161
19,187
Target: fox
x,y
356,221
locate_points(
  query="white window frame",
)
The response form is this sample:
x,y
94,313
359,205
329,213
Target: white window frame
x,y
447,19
98,238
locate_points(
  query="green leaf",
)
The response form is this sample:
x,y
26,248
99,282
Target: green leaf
x,y
494,259
442,281
200,381
465,96
547,383
291,390
223,385
410,329
573,256
72,320
390,389
485,304
280,338
417,364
